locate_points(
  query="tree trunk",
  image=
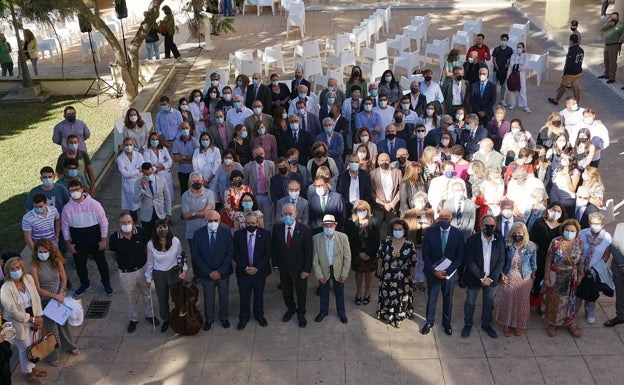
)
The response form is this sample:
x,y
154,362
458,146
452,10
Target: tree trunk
x,y
21,57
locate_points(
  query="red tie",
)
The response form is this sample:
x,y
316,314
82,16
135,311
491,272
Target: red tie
x,y
288,237
261,181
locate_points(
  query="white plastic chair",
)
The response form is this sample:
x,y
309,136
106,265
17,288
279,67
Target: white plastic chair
x,y
340,44
250,67
378,52
308,50
343,60
408,60
474,26
296,18
313,67
49,45
539,65
265,3
416,32
358,36
439,48
370,30
400,43
375,70
461,38
425,21
378,21
387,16
272,54
519,32
405,82
238,57
249,3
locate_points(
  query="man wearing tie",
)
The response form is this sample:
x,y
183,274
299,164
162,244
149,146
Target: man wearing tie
x,y
212,253
295,199
331,263
258,116
354,184
252,253
291,257
506,218
324,201
391,144
483,97
582,208
472,136
259,92
308,121
462,208
257,176
295,137
153,194
484,260
442,253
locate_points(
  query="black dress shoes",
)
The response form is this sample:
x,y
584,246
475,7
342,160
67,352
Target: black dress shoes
x,y
288,315
207,325
302,320
319,317
603,77
490,331
164,327
132,326
466,331
448,330
343,319
610,323
153,320
225,323
610,81
425,329
262,321
241,325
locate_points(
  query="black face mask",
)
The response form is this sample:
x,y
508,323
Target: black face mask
x,y
402,159
488,230
319,153
259,158
251,229
196,186
237,183
282,170
556,123
384,166
459,78
517,238
398,120
428,78
390,136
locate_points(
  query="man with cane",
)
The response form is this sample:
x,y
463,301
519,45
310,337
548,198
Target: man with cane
x,y
128,248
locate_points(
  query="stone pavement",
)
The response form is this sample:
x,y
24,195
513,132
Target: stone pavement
x,y
365,350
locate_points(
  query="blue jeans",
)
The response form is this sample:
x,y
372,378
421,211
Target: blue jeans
x,y
226,7
488,304
338,291
209,285
434,286
152,50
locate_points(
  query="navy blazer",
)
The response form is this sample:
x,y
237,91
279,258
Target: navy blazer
x,y
335,146
261,253
277,190
264,95
591,208
220,260
304,142
298,258
323,113
471,145
343,127
485,103
344,182
474,260
419,108
333,206
294,92
383,147
432,250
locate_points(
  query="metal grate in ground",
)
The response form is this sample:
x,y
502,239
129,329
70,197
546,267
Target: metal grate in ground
x,y
98,309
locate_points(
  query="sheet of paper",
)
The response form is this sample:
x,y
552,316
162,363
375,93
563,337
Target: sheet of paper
x,y
443,265
56,313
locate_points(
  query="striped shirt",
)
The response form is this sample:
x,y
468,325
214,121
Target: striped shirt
x,y
41,226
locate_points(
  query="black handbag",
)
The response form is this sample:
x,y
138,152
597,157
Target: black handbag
x,y
588,289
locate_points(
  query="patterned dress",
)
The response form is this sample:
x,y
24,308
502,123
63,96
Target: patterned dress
x,y
514,308
561,297
395,294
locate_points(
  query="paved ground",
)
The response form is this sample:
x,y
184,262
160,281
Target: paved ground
x,y
366,350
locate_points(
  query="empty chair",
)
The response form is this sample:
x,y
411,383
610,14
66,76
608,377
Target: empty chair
x,y
519,32
296,18
265,3
340,44
312,67
539,65
439,48
416,32
272,54
387,16
425,21
378,20
49,45
408,60
378,52
358,36
85,47
461,38
249,3
238,57
474,26
343,60
375,69
249,67
370,30
400,43
308,50
405,82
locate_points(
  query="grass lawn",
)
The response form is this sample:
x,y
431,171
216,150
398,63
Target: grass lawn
x,y
26,146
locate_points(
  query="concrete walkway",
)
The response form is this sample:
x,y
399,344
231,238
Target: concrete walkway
x,y
365,351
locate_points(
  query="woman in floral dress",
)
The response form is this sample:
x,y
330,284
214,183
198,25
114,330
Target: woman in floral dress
x,y
396,258
514,310
564,271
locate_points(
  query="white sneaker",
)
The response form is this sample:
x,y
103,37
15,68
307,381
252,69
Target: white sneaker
x,y
527,110
512,107
502,102
591,319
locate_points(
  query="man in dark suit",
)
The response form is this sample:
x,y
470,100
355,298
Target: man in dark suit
x,y
291,255
417,101
212,253
219,125
391,144
581,210
470,138
299,80
483,97
324,201
442,253
252,254
295,137
506,218
456,92
342,126
258,91
294,198
258,116
363,190
279,181
257,176
434,136
325,108
308,121
484,260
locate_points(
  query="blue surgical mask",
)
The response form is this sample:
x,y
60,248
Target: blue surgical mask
x,y
244,134
301,111
73,146
331,100
388,79
247,205
164,108
254,82
449,174
43,256
219,120
17,274
328,129
328,231
237,105
47,181
185,132
288,220
239,83
398,234
154,143
354,166
569,235
373,92
294,126
39,210
205,143
302,96
72,172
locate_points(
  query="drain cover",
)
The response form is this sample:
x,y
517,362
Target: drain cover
x,y
98,309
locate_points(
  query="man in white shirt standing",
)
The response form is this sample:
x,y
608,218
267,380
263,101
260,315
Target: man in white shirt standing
x,y
599,134
431,89
238,113
385,110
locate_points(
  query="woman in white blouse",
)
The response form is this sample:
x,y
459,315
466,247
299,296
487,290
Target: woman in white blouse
x,y
165,266
129,163
206,160
159,157
519,58
198,110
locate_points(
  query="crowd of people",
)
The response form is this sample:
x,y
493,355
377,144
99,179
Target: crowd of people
x,y
422,189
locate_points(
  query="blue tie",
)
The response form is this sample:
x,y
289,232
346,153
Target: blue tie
x,y
482,89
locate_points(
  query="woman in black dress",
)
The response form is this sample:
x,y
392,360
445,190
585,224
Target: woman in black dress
x,y
363,235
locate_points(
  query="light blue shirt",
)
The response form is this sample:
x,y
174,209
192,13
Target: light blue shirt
x,y
168,124
329,245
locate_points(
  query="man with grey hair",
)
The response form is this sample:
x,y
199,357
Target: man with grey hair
x,y
238,113
471,137
483,97
258,92
303,95
334,142
520,187
332,85
488,155
463,210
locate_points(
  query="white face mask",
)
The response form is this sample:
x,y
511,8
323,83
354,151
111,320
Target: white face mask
x,y
184,107
284,116
596,228
134,118
361,155
257,110
364,139
126,228
197,99
445,142
429,112
320,191
128,149
420,135
228,161
213,226
588,120
293,195
76,195
383,103
227,97
483,77
459,117
213,95
362,214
